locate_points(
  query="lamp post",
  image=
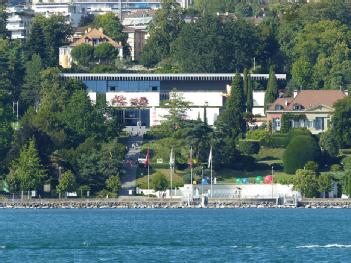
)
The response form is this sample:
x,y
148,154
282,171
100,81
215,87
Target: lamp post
x,y
205,112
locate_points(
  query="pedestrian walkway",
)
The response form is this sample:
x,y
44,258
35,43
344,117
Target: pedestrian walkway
x,y
128,179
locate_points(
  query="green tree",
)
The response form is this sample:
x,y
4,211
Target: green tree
x,y
233,114
111,26
113,184
300,150
6,132
341,123
346,183
57,32
325,183
36,37
159,181
164,29
46,36
30,92
83,54
321,55
105,53
80,118
329,143
3,20
306,181
67,183
203,46
177,112
249,96
27,169
199,47
272,89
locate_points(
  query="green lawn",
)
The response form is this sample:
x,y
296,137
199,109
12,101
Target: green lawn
x,y
177,178
270,156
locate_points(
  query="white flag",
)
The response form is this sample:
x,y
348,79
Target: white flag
x,y
210,158
171,159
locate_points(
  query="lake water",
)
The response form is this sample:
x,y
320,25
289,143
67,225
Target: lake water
x,y
184,235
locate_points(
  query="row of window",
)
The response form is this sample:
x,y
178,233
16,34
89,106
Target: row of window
x,y
317,124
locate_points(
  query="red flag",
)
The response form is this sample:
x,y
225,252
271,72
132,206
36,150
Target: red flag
x,y
147,160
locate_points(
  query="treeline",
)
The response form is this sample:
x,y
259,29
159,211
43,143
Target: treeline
x,y
60,138
309,42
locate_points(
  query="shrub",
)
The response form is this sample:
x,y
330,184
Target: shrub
x,y
335,168
276,141
306,181
297,132
249,146
346,163
258,135
159,181
300,150
312,166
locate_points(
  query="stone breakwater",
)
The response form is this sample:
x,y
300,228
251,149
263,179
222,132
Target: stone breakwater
x,y
156,203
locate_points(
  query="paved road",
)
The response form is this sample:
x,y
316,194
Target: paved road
x,y
128,179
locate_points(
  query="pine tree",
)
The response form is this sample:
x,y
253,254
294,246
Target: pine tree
x,y
27,172
272,89
36,41
30,93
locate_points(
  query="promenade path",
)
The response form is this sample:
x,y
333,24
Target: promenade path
x,y
128,179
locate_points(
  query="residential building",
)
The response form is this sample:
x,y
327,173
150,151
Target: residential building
x,y
74,9
140,96
136,41
18,22
71,11
311,109
139,19
93,37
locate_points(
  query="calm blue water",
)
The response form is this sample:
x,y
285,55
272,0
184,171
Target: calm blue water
x,y
197,235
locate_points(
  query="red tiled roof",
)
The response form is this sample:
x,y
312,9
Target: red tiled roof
x,y
309,99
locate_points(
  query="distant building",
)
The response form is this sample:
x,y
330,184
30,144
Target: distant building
x,y
68,10
93,37
139,19
312,109
136,41
18,22
74,9
140,96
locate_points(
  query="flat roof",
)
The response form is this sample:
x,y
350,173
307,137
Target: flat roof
x,y
168,76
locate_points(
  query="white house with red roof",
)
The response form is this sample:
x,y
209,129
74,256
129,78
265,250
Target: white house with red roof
x,y
311,109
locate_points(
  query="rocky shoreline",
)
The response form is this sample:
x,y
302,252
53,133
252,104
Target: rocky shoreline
x,y
166,204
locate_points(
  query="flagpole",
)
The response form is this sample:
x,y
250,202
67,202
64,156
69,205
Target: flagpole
x,y
191,170
211,181
148,171
148,179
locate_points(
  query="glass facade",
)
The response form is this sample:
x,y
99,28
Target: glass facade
x,y
103,86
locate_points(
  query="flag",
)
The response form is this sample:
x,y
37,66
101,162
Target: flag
x,y
147,160
210,158
171,159
191,158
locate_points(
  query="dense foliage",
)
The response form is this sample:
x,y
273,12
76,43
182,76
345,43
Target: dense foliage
x,y
300,150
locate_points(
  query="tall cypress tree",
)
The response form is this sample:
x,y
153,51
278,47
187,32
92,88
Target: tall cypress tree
x,y
246,83
249,96
233,114
272,89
